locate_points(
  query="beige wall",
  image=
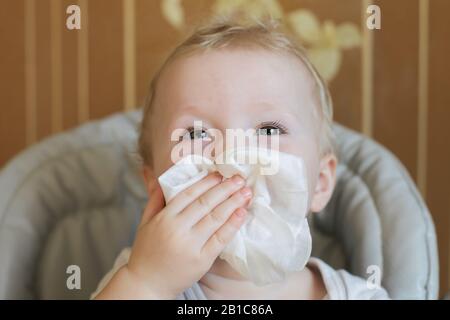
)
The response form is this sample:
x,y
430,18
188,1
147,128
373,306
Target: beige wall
x,y
395,88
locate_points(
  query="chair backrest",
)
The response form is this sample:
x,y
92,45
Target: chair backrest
x,y
75,199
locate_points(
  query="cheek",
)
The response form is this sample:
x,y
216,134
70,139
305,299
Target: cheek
x,y
312,168
305,149
166,154
161,156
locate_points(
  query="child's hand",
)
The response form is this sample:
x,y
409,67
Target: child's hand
x,y
176,245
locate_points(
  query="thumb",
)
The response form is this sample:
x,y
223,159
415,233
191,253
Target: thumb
x,y
154,205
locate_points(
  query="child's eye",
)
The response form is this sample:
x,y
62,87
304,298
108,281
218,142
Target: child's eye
x,y
268,131
193,134
271,129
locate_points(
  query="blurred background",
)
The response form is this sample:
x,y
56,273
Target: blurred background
x,y
391,84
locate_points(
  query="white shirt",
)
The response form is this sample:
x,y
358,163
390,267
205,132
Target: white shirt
x,y
339,284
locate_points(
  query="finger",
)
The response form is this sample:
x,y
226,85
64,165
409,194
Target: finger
x,y
210,199
218,241
154,205
190,194
210,223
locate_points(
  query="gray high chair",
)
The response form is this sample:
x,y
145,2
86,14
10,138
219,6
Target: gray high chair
x,y
76,199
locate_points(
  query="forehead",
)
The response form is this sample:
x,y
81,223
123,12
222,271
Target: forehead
x,y
235,79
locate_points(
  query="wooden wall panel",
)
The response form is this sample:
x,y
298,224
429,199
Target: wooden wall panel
x,y
155,37
346,87
43,69
396,59
69,73
438,172
150,48
105,57
12,93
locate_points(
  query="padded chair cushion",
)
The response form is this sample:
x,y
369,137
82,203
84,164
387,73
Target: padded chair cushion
x,y
76,199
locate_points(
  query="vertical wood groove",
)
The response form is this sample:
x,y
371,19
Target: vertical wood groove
x,y
423,96
83,64
56,66
30,72
129,53
367,73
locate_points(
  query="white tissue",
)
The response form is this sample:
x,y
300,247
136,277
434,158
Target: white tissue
x,y
275,238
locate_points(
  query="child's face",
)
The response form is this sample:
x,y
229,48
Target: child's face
x,y
239,88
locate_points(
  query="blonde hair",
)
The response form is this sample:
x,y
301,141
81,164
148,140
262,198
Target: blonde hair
x,y
226,32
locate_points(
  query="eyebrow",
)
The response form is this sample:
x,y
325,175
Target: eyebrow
x,y
268,107
192,109
274,112
261,107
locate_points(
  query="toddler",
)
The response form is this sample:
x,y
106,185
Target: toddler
x,y
229,75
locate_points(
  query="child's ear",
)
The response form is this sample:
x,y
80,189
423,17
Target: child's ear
x,y
151,182
325,183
